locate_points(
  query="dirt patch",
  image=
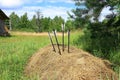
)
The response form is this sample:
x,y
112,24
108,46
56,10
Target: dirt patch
x,y
76,65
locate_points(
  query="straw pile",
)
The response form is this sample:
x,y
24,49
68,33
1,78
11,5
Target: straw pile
x,y
76,65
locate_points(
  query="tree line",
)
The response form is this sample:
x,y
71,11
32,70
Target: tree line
x,y
38,23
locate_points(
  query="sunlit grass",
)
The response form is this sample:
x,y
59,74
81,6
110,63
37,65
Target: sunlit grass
x,y
15,52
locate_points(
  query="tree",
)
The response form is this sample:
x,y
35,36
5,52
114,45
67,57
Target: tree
x,y
38,21
15,21
56,22
24,23
94,7
46,23
69,24
34,23
103,36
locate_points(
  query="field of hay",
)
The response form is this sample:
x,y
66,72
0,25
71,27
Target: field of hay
x,y
73,65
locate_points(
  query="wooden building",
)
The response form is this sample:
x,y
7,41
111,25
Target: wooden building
x,y
3,26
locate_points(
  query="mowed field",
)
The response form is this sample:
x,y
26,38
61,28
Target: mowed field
x,y
16,50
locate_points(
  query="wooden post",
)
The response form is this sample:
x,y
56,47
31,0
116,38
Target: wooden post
x,y
51,41
57,42
63,37
68,41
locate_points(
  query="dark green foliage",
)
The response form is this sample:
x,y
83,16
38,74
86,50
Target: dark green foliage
x,y
93,9
20,23
46,23
14,21
102,39
24,22
57,21
69,25
33,24
79,19
37,25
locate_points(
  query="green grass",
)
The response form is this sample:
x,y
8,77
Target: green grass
x,y
15,52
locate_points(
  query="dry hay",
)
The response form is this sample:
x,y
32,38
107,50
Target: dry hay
x,y
76,65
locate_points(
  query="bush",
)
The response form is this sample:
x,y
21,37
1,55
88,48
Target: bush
x,y
102,40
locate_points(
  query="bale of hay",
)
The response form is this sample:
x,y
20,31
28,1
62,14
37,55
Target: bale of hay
x,y
76,65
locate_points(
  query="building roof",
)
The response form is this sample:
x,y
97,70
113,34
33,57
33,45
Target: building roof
x,y
3,16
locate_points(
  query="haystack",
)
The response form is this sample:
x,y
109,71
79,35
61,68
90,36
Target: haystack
x,y
76,65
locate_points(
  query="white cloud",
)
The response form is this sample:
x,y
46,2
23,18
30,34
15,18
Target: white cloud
x,y
55,11
55,1
48,11
39,1
69,1
104,12
10,3
66,1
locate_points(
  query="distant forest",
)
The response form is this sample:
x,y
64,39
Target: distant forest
x,y
38,23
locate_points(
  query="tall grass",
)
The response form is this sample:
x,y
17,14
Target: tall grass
x,y
15,52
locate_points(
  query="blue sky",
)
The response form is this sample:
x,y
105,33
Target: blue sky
x,y
49,8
